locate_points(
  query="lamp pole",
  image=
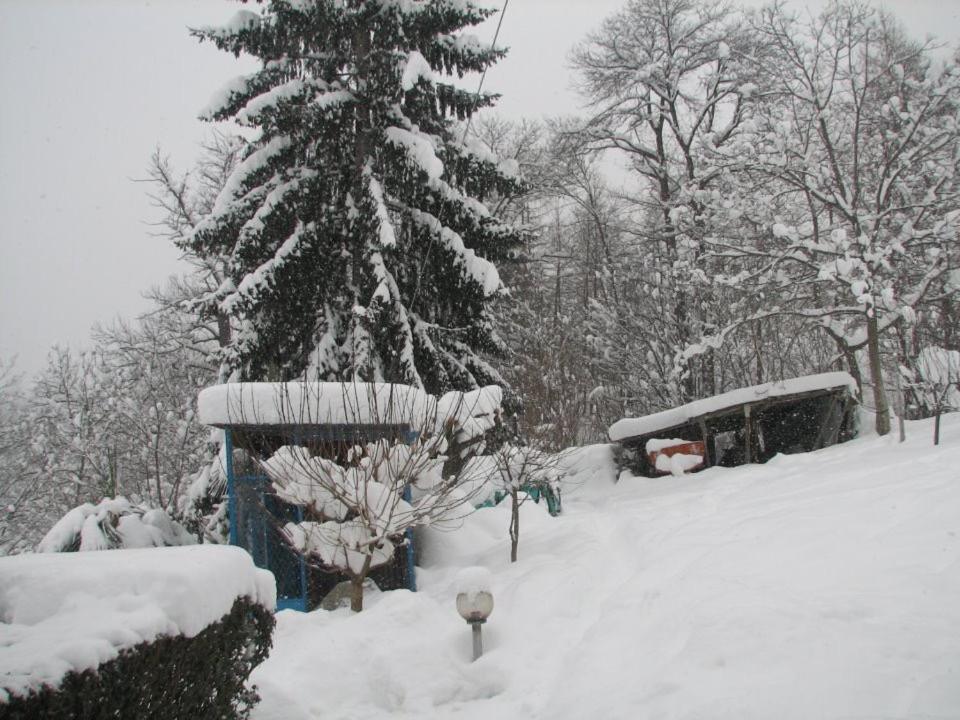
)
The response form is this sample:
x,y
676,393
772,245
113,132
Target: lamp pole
x,y
477,638
475,607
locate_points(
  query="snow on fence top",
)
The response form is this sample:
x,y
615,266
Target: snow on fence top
x,y
330,403
634,427
62,612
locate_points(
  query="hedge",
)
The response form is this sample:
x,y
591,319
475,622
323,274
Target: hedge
x,y
173,677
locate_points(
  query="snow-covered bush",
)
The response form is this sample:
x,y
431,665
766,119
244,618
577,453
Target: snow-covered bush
x,y
159,633
113,523
205,504
359,505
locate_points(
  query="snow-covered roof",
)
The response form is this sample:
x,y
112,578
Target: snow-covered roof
x,y
319,403
634,427
61,612
314,403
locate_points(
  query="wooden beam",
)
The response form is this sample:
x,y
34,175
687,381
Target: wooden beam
x,y
706,444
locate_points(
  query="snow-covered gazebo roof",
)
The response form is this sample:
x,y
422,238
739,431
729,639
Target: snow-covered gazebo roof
x,y
675,417
313,403
261,404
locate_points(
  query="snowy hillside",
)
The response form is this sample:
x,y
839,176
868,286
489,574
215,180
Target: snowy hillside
x,y
817,586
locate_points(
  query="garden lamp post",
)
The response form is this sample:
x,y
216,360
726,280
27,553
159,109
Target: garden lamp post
x,y
475,607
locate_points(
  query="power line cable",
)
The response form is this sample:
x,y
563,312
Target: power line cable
x,y
463,139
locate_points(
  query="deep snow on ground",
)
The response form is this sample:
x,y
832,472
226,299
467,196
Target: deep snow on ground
x,y
824,585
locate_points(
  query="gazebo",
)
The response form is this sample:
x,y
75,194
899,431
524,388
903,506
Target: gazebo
x,y
259,418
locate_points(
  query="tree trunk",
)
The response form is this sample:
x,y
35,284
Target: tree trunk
x,y
224,339
361,49
356,593
850,357
876,374
224,333
758,350
936,428
514,524
901,409
356,585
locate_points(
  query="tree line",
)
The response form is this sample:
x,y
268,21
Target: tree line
x,y
748,196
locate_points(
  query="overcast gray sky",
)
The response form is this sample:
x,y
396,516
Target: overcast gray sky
x,y
88,88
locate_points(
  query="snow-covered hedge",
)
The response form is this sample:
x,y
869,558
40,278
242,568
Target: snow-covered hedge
x,y
161,632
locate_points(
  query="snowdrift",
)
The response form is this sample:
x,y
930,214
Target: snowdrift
x,y
824,585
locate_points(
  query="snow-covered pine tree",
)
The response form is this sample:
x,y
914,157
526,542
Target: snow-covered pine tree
x,y
358,243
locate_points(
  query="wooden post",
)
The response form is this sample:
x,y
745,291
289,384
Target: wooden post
x,y
901,406
231,487
706,444
747,436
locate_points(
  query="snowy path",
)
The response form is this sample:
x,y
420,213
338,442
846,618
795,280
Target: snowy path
x,y
817,586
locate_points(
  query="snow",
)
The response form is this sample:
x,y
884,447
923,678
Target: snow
x,y
632,427
135,527
480,270
341,544
315,403
256,161
241,20
388,237
73,611
656,445
294,475
819,585
678,463
419,149
472,413
223,96
251,112
508,469
415,69
509,168
474,580
326,100
253,282
589,469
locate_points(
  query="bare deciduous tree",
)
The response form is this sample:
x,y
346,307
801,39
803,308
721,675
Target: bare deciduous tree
x,y
667,84
517,471
856,147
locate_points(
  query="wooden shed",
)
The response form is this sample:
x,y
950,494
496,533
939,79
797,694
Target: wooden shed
x,y
746,425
